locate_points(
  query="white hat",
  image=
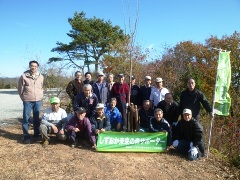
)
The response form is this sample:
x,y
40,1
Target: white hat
x,y
158,79
187,111
100,73
100,105
148,78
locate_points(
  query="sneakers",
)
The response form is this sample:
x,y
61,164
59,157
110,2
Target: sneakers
x,y
45,143
74,144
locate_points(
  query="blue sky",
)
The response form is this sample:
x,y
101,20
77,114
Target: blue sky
x,y
30,29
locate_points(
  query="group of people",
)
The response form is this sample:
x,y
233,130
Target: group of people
x,y
102,106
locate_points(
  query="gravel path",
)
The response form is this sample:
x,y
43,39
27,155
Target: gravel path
x,y
10,104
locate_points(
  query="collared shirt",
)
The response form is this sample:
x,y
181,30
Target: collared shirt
x,y
158,95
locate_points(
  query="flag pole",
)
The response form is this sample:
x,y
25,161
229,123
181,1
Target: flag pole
x,y
212,119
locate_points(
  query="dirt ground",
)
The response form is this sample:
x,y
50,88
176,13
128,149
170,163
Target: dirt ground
x,y
60,161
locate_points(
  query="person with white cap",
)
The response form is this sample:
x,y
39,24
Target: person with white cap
x,y
158,92
189,136
53,121
100,88
100,123
145,90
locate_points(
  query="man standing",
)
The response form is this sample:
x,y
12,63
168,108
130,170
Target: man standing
x,y
30,90
75,86
145,90
158,92
189,136
100,88
53,121
135,92
88,78
120,91
191,98
110,81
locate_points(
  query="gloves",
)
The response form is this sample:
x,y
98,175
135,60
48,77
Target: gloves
x,y
193,151
175,143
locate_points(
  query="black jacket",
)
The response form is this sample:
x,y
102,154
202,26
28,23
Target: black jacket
x,y
173,112
192,100
163,125
145,117
191,131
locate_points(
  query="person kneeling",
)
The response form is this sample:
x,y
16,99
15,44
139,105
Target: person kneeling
x,y
100,123
79,128
159,124
189,136
53,121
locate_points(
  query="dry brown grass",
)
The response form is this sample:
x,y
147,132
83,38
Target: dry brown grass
x,y
60,161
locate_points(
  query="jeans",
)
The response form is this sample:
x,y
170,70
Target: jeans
x,y
29,106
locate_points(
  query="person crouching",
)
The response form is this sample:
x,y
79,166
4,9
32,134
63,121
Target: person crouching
x,y
189,136
100,123
79,128
53,122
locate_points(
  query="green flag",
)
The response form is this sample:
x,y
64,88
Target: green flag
x,y
222,100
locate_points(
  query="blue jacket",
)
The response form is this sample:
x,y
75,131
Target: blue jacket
x,y
114,116
103,94
98,123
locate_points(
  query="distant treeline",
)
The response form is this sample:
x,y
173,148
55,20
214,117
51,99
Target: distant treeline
x,y
9,83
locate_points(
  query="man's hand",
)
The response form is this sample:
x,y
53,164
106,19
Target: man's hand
x,y
102,130
96,131
76,130
55,129
61,131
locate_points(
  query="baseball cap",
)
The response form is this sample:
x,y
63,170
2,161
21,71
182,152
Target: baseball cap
x,y
133,77
121,75
187,111
100,73
99,106
148,78
81,110
54,100
158,79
